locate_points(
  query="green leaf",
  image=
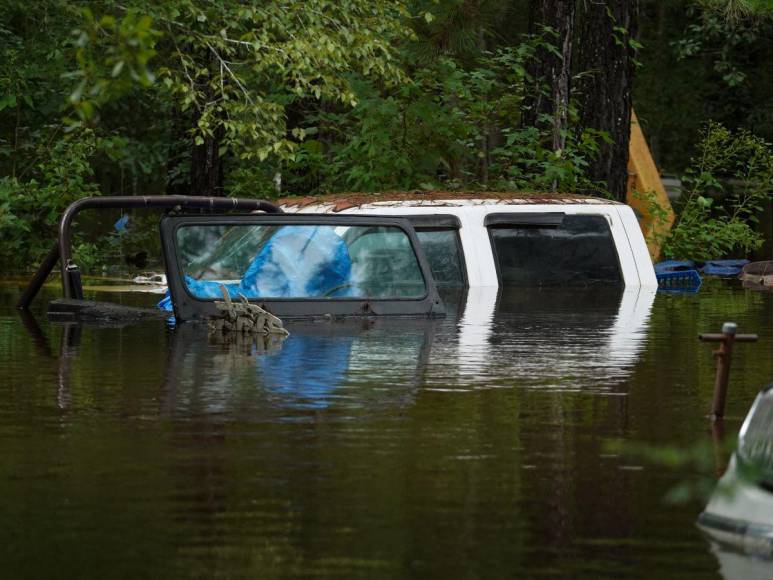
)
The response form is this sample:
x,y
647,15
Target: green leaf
x,y
8,101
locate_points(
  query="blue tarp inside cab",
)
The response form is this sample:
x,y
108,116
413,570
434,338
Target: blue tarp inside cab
x,y
297,262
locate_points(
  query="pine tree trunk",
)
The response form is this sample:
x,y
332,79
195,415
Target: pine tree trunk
x,y
551,73
206,168
177,153
605,94
484,156
206,165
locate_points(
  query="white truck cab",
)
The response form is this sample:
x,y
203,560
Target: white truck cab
x,y
493,240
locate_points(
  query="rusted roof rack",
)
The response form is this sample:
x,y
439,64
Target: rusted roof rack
x,y
62,250
342,201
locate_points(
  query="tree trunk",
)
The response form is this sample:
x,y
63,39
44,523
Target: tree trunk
x,y
605,93
551,73
484,156
206,167
177,153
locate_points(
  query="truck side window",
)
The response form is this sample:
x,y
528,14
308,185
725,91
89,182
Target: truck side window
x,y
442,248
577,250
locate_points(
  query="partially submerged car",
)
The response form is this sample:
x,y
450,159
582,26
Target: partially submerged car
x,y
740,512
371,255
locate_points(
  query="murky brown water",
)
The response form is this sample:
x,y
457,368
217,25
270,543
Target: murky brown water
x,y
469,447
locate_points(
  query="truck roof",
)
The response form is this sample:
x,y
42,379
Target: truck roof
x,y
474,211
343,201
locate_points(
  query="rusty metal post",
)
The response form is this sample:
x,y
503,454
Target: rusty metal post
x,y
39,278
724,355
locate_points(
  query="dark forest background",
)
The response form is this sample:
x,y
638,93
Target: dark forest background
x,y
267,99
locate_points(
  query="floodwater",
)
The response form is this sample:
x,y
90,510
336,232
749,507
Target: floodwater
x,y
475,446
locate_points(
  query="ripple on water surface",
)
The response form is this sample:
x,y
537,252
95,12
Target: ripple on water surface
x,y
471,445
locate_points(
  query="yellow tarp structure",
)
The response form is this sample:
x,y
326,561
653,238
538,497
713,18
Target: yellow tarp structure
x,y
646,194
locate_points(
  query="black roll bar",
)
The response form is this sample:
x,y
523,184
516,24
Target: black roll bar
x,y
62,250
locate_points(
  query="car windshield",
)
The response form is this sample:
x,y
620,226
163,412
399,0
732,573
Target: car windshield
x,y
755,443
299,261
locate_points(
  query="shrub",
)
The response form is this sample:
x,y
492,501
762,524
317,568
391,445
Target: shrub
x,y
31,203
725,188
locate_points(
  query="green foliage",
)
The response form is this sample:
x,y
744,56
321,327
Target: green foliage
x,y
365,125
725,188
723,34
335,95
453,126
738,10
112,56
701,62
31,204
146,82
395,140
237,67
659,215
461,29
528,164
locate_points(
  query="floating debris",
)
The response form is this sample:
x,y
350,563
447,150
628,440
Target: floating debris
x,y
758,275
95,312
150,278
240,318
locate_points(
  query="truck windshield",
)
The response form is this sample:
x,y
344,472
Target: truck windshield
x,y
575,250
303,261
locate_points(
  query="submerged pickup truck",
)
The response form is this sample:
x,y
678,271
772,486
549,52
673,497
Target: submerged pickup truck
x,y
372,255
506,239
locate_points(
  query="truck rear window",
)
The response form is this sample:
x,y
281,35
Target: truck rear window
x,y
570,250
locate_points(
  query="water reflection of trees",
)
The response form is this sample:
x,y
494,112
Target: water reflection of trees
x,y
261,462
